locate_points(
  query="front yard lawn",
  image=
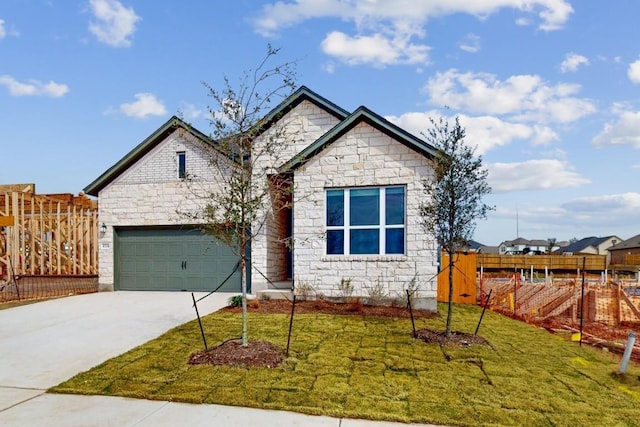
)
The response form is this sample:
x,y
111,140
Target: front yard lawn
x,y
371,367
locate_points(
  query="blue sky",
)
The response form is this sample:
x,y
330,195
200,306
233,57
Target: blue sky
x,y
547,90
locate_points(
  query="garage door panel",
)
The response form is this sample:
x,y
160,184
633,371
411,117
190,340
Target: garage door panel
x,y
172,259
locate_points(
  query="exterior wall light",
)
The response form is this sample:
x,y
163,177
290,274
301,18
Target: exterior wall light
x,y
103,228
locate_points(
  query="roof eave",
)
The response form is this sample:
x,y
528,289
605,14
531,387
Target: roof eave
x,y
139,151
371,118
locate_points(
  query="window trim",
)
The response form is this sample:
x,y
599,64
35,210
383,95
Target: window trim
x,y
181,163
381,227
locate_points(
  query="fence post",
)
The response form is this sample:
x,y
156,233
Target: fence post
x,y
584,260
631,340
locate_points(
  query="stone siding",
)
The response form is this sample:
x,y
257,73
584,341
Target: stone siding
x,y
362,157
297,129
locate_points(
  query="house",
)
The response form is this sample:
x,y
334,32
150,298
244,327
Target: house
x,y
354,209
626,252
590,245
524,246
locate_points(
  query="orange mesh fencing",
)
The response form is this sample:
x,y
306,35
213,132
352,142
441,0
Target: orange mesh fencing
x,y
43,287
606,312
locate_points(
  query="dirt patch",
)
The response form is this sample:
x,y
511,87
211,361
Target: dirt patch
x,y
460,339
256,353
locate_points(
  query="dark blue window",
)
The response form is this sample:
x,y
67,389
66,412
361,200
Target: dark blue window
x,y
365,221
335,207
364,206
182,165
364,241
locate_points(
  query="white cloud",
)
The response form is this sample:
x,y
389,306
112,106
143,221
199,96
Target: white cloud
x,y
625,131
541,174
114,24
625,202
487,132
483,132
634,72
402,13
470,44
33,87
525,96
544,135
191,112
384,31
376,50
145,105
573,61
4,32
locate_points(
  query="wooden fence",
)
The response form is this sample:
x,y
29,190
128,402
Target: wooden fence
x,y
464,279
542,262
47,235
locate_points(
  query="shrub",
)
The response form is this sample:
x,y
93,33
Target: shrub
x,y
235,301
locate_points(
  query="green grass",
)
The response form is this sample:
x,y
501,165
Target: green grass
x,y
357,367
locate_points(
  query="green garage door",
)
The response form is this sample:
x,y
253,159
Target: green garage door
x,y
172,259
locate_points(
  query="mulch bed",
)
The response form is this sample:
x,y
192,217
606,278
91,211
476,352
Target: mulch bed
x,y
256,353
259,353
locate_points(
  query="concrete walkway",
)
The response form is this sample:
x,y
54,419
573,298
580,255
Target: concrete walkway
x,y
43,344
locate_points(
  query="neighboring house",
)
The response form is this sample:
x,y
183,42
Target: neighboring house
x,y
590,245
524,246
493,250
356,195
626,252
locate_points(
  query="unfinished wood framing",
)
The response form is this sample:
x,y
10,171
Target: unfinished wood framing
x,y
53,234
609,303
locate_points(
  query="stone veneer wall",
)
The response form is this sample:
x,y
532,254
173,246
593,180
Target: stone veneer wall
x,y
150,193
304,125
362,157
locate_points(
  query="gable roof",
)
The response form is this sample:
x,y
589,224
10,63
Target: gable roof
x,y
303,93
631,243
362,114
140,150
583,244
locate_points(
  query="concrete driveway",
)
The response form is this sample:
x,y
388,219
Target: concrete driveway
x,y
45,343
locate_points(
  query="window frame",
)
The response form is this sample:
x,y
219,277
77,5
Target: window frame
x,y
381,227
181,163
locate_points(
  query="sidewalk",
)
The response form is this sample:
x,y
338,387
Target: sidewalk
x,y
100,411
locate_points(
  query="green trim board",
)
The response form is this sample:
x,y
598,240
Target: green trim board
x,y
303,93
141,149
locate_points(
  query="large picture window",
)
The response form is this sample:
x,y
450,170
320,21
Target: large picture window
x,y
365,221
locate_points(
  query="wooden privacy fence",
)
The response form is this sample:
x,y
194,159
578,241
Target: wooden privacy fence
x,y
464,279
542,262
47,235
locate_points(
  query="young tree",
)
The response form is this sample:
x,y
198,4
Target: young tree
x,y
454,194
244,155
